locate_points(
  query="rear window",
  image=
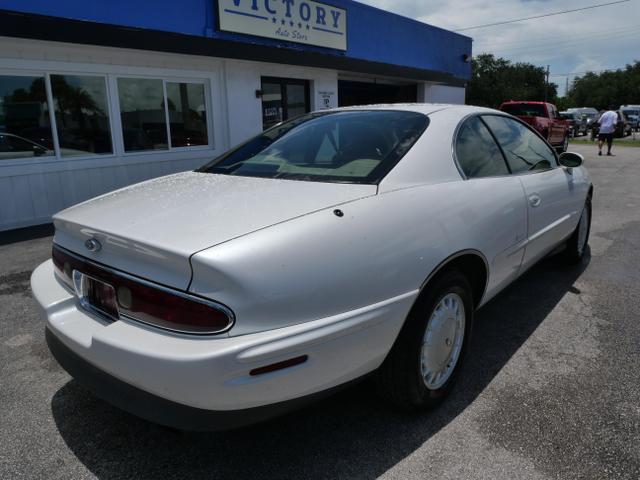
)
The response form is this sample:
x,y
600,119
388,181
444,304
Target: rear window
x,y
524,109
348,147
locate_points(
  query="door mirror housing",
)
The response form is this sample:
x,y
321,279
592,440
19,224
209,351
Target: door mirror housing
x,y
571,159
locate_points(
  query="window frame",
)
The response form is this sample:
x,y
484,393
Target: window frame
x,y
54,133
531,129
45,69
54,125
509,117
165,79
495,141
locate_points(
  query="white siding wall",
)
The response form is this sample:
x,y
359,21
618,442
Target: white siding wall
x,y
33,189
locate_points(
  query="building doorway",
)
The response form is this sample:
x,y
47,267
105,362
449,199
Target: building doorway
x,y
282,99
367,93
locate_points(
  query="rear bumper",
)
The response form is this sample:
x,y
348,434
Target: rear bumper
x,y
160,410
208,378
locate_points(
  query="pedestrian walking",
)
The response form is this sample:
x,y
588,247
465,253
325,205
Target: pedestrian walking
x,y
608,121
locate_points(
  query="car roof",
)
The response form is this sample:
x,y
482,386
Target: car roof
x,y
424,108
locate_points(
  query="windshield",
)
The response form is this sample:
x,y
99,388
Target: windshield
x,y
525,109
359,146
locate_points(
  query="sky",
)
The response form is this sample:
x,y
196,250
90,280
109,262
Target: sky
x,y
591,40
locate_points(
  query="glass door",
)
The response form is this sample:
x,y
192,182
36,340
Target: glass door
x,y
283,98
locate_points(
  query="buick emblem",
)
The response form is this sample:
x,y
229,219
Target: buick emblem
x,y
93,245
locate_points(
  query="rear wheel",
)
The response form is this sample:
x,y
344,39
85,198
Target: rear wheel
x,y
425,360
579,240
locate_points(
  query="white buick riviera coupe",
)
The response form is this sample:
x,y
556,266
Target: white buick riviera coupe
x,y
341,243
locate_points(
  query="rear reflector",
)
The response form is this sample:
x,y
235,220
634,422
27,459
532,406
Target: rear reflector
x,y
144,301
279,366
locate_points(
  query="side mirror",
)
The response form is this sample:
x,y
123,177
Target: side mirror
x,y
571,159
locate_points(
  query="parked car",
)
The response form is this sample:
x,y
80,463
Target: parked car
x,y
338,244
632,113
588,114
544,117
623,127
634,122
14,146
577,123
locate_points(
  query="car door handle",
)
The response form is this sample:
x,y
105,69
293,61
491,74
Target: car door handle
x,y
535,200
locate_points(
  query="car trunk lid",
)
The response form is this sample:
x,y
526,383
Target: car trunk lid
x,y
152,229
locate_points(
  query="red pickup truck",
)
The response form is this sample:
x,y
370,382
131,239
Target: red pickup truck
x,y
544,117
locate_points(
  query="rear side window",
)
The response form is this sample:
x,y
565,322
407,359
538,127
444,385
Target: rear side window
x,y
476,151
525,151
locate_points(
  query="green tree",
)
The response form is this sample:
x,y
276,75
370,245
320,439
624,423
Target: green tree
x,y
599,90
495,80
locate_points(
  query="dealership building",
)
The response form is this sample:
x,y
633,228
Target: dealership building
x,y
98,95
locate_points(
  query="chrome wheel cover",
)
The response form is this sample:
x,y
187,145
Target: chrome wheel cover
x,y
583,230
442,341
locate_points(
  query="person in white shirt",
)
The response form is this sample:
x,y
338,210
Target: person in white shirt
x,y
608,121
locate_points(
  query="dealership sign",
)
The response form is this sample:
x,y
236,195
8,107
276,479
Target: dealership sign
x,y
301,21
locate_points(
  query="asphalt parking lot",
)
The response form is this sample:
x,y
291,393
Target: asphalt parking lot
x,y
551,389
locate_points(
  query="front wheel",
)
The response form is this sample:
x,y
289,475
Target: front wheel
x,y
577,243
425,360
565,145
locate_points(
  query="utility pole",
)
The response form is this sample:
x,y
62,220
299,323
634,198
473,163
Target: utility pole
x,y
546,82
566,86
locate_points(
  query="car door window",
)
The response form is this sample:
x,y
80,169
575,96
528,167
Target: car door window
x,y
476,151
525,151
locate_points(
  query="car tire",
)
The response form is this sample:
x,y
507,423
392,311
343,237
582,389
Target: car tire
x,y
416,376
565,145
576,245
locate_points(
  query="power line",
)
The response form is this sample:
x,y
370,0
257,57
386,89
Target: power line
x,y
557,46
569,74
541,16
587,35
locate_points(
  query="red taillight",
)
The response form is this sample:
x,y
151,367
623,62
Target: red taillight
x,y
141,300
62,262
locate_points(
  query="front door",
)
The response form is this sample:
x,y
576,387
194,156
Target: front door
x,y
551,196
282,99
554,201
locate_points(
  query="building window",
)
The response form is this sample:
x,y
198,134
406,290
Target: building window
x,y
156,115
82,114
145,114
282,99
25,128
187,114
142,111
